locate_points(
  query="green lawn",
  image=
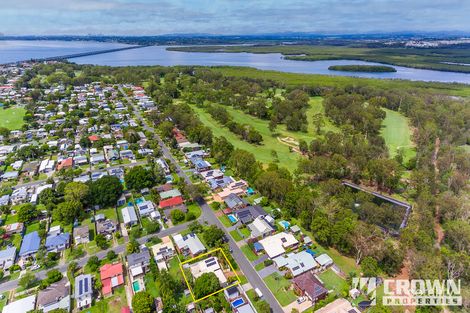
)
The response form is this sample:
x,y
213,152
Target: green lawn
x,y
259,266
245,232
236,235
225,221
397,134
11,218
32,227
109,213
151,286
250,255
3,302
333,282
278,284
12,118
195,209
113,304
252,295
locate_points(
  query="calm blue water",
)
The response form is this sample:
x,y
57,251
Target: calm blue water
x,y
21,50
11,51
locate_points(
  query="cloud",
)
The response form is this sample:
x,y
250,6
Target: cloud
x,y
149,17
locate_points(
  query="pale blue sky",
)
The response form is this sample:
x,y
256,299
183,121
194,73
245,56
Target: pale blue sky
x,y
154,17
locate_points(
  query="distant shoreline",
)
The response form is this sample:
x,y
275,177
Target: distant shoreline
x,y
363,68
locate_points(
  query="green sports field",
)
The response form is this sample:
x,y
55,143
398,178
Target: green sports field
x,y
12,118
397,134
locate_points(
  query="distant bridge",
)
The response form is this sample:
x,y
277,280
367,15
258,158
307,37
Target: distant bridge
x,y
82,54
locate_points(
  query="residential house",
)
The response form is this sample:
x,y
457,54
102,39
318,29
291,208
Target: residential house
x,y
212,174
275,245
127,154
164,166
15,228
7,257
209,265
111,276
97,159
296,263
260,228
57,243
83,291
145,208
4,200
170,204
22,305
234,202
65,164
56,296
30,245
324,260
129,216
138,263
309,286
80,160
248,214
19,196
106,228
9,175
200,165
163,251
81,234
189,245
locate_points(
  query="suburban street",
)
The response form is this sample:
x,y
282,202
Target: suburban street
x,y
13,284
209,216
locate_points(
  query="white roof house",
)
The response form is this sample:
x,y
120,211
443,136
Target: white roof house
x,y
209,265
297,263
275,245
128,215
259,227
324,260
189,244
21,306
164,250
145,208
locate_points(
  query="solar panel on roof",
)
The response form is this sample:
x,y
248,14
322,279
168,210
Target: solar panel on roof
x,y
80,287
86,284
209,260
211,263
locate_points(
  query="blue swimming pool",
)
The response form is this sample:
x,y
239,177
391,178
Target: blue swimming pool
x,y
232,218
250,191
140,200
238,302
285,224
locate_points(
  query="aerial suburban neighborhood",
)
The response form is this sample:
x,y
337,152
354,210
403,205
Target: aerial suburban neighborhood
x,y
94,214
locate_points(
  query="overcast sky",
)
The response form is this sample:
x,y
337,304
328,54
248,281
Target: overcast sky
x,y
155,17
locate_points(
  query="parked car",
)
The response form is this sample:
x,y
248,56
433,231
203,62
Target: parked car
x,y
301,300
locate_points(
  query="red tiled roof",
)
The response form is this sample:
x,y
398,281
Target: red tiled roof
x,y
110,270
171,202
107,273
65,163
94,138
125,309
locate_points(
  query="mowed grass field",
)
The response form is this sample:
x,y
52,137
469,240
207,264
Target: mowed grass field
x,y
12,118
271,142
397,134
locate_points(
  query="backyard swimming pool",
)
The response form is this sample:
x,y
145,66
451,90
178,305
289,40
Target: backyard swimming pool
x,y
136,286
232,218
238,302
285,224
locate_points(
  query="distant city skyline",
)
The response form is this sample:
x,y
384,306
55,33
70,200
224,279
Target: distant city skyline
x,y
225,17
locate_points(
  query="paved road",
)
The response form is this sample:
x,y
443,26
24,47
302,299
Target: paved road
x,y
209,216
